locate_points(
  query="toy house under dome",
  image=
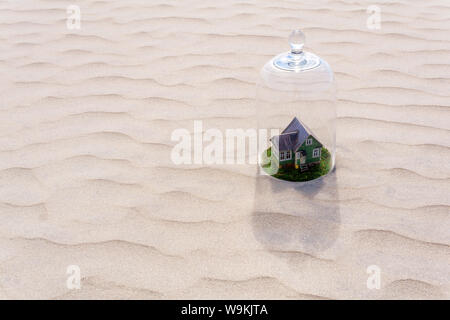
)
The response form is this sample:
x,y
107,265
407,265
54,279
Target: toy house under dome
x,y
296,147
297,83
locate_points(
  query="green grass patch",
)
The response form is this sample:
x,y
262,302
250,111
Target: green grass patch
x,y
292,174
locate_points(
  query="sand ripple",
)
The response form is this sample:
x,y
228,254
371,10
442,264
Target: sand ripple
x,y
85,172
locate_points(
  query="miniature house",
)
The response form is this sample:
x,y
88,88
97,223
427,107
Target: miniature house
x,y
295,147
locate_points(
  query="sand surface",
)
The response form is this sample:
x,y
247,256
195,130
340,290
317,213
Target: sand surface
x,y
86,179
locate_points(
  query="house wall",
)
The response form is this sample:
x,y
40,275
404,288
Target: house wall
x,y
309,150
287,162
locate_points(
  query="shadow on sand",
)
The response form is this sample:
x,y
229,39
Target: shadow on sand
x,y
296,217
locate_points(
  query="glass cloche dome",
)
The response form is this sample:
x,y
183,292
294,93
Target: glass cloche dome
x,y
296,106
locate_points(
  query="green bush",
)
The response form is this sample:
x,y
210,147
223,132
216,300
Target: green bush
x,y
292,174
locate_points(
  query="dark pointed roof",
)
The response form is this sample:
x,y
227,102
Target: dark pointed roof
x,y
293,136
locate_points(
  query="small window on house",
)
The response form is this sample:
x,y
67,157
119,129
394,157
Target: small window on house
x,y
282,155
316,153
288,155
309,141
